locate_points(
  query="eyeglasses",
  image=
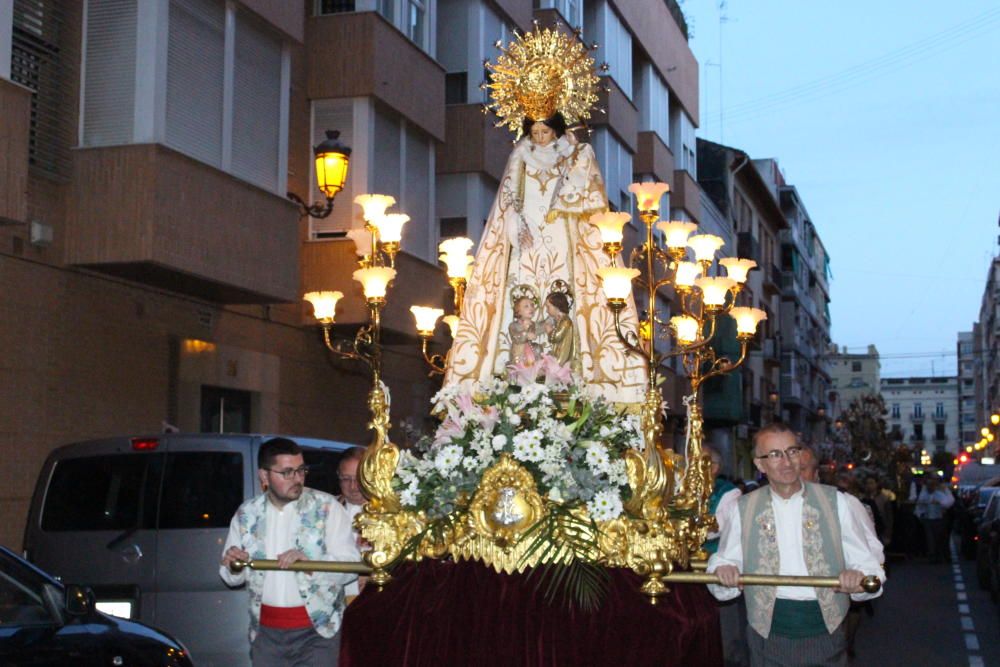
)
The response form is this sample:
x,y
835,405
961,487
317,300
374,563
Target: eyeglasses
x,y
291,473
777,454
346,479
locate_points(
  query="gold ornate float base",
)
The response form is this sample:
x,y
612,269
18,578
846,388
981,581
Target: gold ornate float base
x,y
502,522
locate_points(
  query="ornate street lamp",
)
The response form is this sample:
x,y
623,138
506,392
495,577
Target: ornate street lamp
x,y
332,161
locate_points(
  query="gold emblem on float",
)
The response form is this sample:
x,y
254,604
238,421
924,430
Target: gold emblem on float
x,y
506,503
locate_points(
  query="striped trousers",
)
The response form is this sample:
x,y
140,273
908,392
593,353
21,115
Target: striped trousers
x,y
818,651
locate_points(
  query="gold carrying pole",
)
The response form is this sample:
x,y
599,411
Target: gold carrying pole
x,y
871,584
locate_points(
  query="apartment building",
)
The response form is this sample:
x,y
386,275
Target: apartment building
x,y
852,375
967,425
923,412
744,198
986,348
151,265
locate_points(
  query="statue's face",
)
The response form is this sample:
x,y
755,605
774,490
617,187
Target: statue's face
x,y
542,134
525,309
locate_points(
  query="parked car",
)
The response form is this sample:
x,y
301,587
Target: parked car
x,y
988,541
142,520
43,622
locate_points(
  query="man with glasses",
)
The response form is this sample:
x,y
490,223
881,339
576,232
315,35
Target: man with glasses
x,y
353,500
295,617
792,527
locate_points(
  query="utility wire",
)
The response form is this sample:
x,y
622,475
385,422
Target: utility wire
x,y
944,40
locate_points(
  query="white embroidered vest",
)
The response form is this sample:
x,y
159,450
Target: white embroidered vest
x,y
821,543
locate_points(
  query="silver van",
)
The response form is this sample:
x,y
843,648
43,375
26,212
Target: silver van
x,y
142,520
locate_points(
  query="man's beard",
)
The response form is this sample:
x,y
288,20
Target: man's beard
x,y
292,495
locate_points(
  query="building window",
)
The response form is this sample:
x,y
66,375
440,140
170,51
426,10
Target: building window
x,y
456,88
855,366
452,227
939,432
416,24
918,410
918,431
939,410
895,410
324,7
238,119
38,62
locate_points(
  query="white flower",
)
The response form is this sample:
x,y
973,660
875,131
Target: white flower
x,y
528,446
470,463
605,505
555,495
598,459
447,459
408,496
499,442
514,418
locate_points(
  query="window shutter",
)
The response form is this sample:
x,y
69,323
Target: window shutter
x,y
256,104
195,78
109,80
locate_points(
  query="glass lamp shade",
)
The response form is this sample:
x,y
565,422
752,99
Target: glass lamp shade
x,y
324,304
362,240
452,322
617,281
374,205
737,269
374,280
985,431
687,273
455,255
705,246
647,195
676,232
332,161
390,226
747,319
714,290
685,329
995,419
610,225
426,319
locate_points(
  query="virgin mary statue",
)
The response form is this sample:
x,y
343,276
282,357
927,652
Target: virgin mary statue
x,y
538,240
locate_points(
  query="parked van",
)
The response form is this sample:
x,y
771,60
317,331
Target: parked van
x,y
142,521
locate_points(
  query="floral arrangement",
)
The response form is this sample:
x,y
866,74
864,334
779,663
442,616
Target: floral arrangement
x,y
571,440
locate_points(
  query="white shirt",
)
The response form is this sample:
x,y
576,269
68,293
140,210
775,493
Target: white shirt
x,y
352,589
932,505
281,588
863,515
721,515
788,529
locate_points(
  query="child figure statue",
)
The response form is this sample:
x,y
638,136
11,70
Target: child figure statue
x,y
558,326
523,329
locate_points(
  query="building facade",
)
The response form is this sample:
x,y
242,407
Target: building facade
x,y
151,266
924,412
852,375
986,348
748,204
967,425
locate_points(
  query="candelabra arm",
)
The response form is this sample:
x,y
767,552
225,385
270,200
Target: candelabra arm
x,y
345,349
628,338
722,365
437,362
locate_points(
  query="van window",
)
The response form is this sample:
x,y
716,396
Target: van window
x,y
322,470
99,493
201,489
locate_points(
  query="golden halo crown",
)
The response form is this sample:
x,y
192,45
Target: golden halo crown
x,y
538,74
522,291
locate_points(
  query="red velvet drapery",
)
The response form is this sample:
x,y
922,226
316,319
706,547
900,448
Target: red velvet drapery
x,y
445,613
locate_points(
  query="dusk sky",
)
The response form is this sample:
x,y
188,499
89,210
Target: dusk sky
x,y
886,117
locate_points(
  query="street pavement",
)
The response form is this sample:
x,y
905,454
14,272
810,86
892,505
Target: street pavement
x,y
933,615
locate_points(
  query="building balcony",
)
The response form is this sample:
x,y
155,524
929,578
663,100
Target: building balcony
x,y
686,194
917,418
654,158
149,214
940,417
621,116
791,391
482,148
15,100
329,265
360,54
771,353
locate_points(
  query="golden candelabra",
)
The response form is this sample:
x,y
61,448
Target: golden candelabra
x,y
679,500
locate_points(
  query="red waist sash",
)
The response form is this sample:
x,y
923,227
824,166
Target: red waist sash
x,y
285,618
